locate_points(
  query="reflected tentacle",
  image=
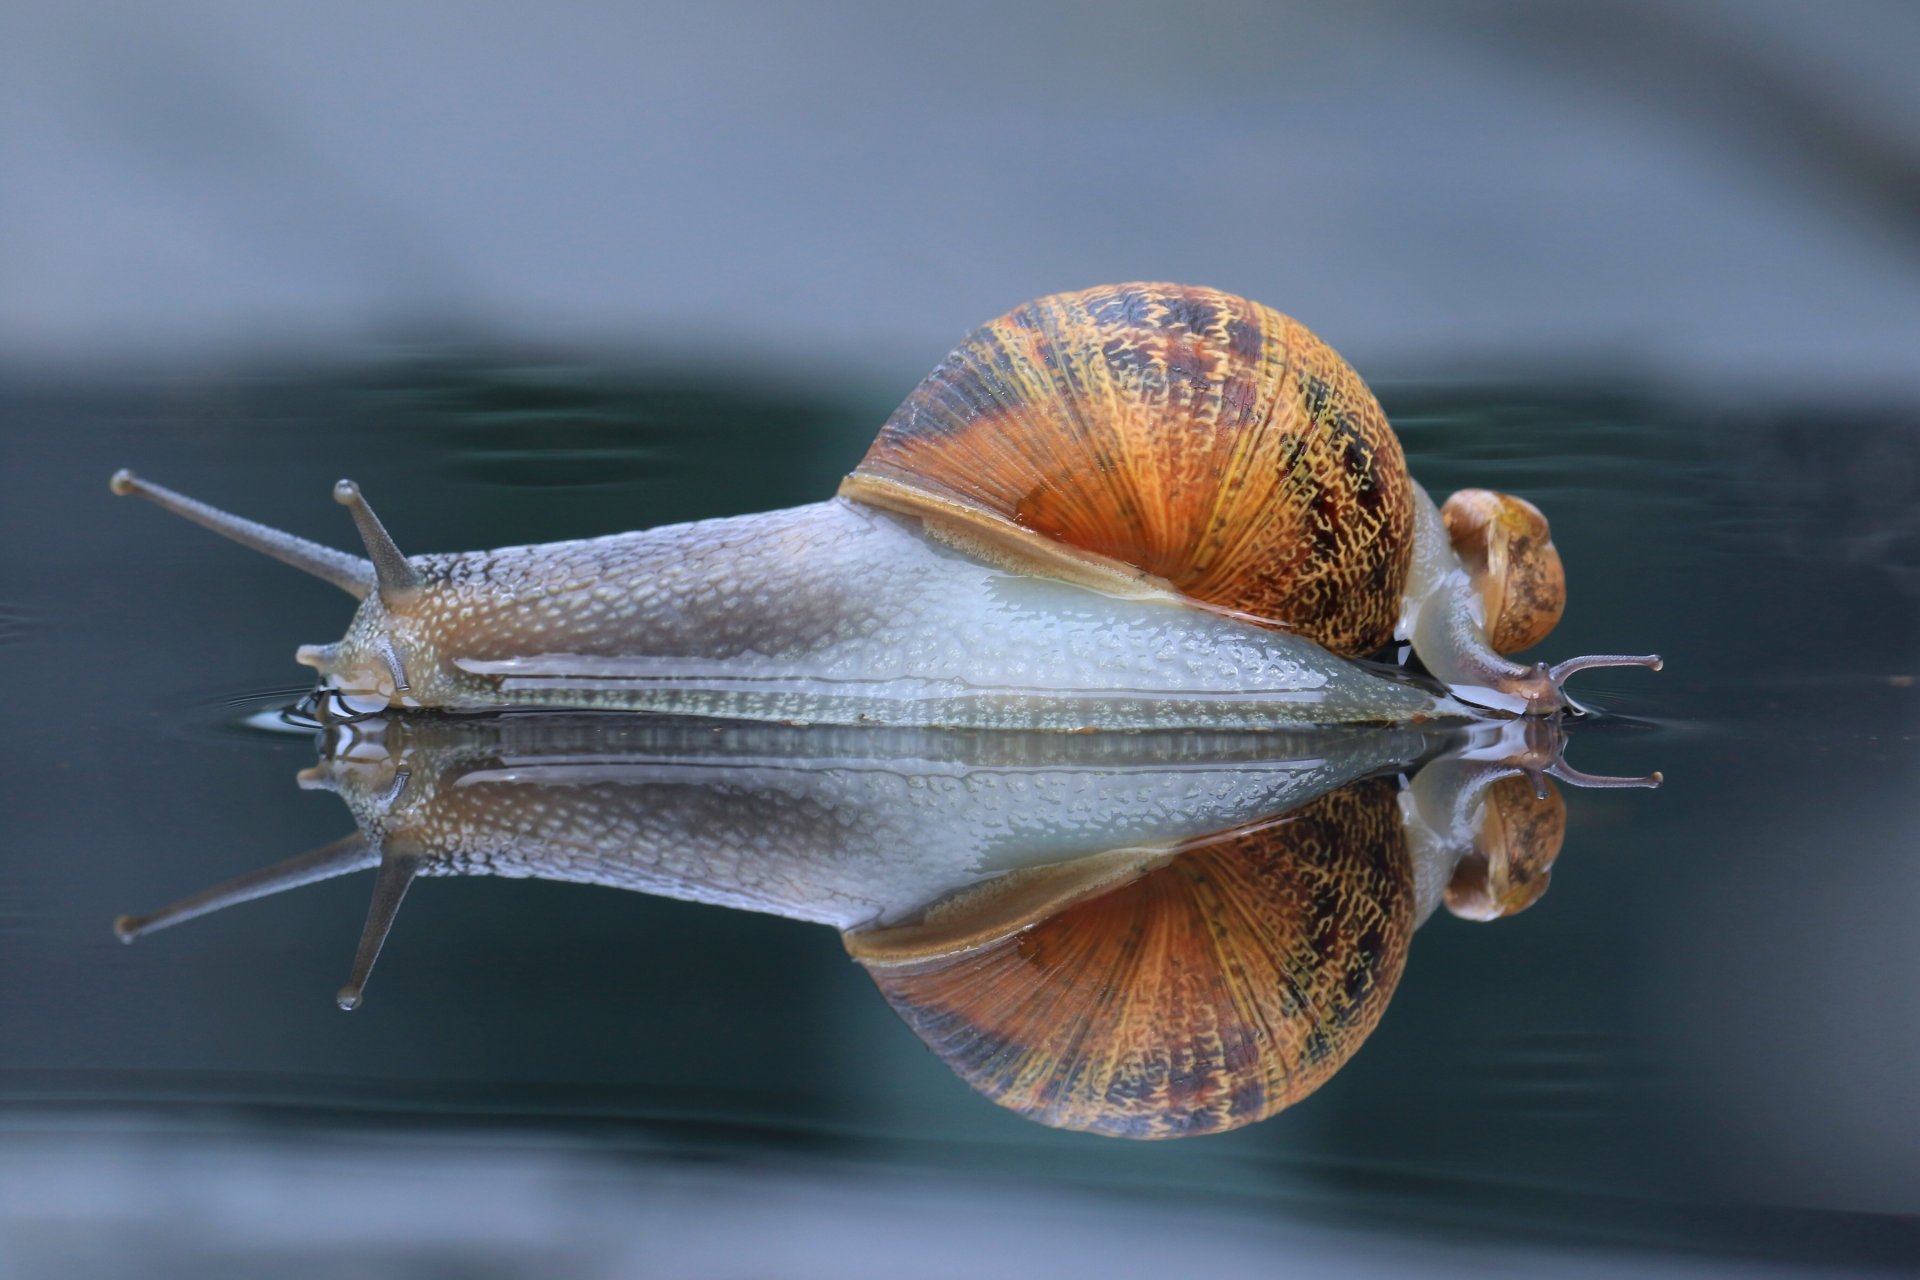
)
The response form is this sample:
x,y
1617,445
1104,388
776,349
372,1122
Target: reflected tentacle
x,y
342,857
389,888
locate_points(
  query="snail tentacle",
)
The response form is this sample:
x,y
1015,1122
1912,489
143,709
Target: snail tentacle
x,y
350,573
1597,781
342,857
396,874
398,580
1561,670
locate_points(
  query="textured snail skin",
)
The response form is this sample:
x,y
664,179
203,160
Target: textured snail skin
x,y
838,613
1138,506
849,828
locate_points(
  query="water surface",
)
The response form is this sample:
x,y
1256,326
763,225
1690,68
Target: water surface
x,y
1701,1040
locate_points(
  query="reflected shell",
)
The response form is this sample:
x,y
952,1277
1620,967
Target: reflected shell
x,y
1512,860
1206,441
1221,985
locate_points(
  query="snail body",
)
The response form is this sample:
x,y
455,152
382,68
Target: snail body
x,y
856,829
1147,935
1138,506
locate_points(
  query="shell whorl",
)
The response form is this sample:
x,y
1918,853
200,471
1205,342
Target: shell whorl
x,y
1222,985
1198,437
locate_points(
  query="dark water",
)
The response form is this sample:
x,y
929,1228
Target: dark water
x,y
1700,1045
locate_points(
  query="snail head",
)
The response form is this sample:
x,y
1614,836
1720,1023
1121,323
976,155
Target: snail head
x,y
1494,804
370,768
1506,547
388,649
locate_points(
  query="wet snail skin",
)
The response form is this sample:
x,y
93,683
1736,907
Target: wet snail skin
x,y
1145,935
1139,506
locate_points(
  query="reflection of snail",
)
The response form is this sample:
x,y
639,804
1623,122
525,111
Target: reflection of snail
x,y
1136,506
1138,934
1217,987
1208,992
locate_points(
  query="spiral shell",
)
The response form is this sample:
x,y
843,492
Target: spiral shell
x,y
1220,986
1202,439
1505,545
1520,836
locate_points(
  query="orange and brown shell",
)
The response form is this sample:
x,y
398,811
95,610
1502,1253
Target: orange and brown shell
x,y
1200,439
1520,836
1506,547
1228,981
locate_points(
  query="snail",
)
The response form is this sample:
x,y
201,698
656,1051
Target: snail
x,y
1145,935
1137,506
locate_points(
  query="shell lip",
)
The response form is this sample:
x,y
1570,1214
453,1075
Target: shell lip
x,y
980,915
950,518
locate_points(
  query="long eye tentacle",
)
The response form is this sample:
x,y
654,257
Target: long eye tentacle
x,y
1600,781
350,573
1559,671
390,884
398,580
342,857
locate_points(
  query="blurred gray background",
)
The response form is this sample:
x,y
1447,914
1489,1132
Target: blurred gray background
x,y
528,270
1711,191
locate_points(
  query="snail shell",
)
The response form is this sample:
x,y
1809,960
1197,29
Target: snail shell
x,y
1223,984
1200,438
1521,831
1504,544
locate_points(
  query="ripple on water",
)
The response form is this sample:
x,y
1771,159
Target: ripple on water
x,y
16,621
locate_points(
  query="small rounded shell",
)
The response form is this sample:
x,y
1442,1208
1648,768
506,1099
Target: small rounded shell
x,y
1200,438
1504,543
1207,993
1520,835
